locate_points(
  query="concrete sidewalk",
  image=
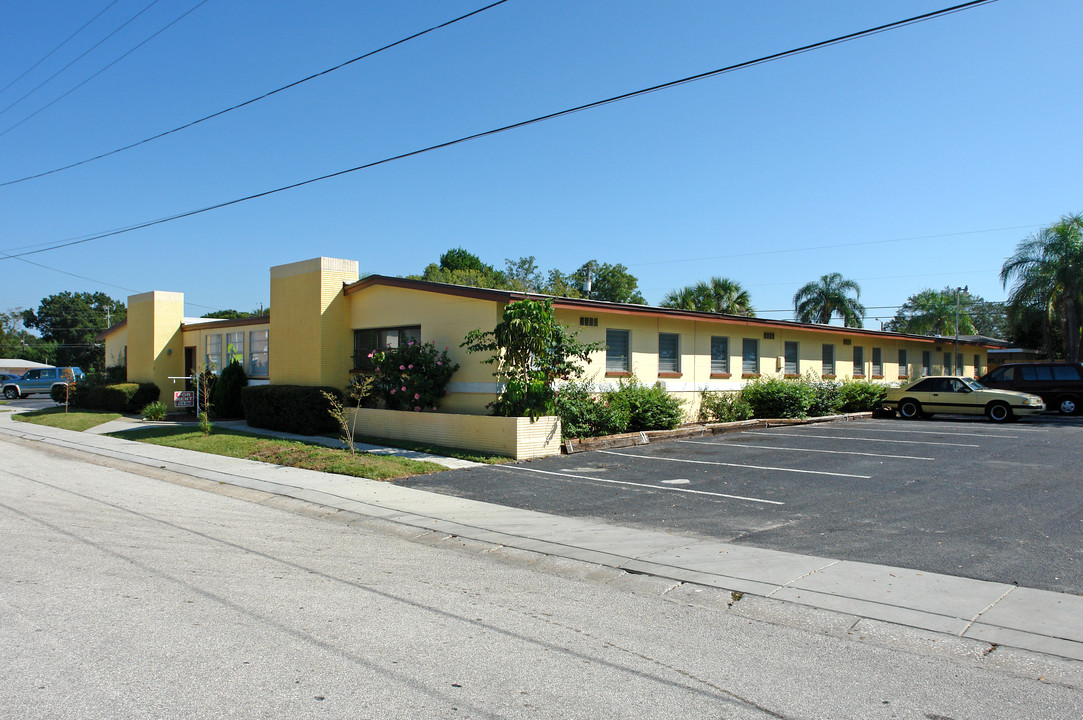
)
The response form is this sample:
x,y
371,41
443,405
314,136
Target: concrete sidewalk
x,y
993,613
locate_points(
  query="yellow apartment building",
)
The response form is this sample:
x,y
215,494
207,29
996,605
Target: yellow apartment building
x,y
323,316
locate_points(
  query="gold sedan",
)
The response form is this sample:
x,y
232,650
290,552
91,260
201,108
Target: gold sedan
x,y
960,395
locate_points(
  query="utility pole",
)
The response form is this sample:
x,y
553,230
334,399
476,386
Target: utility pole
x,y
955,360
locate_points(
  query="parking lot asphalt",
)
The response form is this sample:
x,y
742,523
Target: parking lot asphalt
x,y
956,496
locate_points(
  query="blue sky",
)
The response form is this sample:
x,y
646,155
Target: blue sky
x,y
913,158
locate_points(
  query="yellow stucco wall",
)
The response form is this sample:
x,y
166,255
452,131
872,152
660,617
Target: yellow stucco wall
x,y
695,352
155,348
445,320
116,347
311,339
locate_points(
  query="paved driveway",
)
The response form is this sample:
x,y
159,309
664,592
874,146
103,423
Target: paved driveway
x,y
961,497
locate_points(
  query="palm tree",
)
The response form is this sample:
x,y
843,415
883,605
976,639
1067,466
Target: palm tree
x,y
1047,269
718,295
932,312
818,301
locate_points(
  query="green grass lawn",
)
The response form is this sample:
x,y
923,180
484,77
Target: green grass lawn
x,y
78,420
283,452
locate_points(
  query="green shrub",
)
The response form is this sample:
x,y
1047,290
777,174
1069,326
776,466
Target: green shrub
x,y
776,398
586,413
59,393
411,377
154,411
649,408
127,398
226,392
302,409
860,396
825,397
723,407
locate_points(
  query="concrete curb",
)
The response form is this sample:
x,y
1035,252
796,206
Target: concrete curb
x,y
576,445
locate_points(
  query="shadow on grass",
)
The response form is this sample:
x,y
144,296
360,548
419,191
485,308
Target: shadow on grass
x,y
290,453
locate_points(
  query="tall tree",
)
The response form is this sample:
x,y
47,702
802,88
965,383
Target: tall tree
x,y
16,342
718,295
460,267
610,282
1046,271
72,321
820,300
932,312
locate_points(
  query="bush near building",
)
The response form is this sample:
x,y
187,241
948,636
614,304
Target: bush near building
x,y
302,409
585,412
126,398
226,392
777,398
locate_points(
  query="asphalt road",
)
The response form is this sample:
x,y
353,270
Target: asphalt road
x,y
955,496
128,596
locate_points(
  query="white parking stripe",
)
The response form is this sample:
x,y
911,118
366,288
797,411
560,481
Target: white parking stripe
x,y
639,485
865,428
861,439
738,465
832,452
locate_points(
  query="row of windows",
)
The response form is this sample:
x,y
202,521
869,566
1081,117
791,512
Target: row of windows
x,y
254,362
618,357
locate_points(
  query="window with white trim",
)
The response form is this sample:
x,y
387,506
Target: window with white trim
x,y
618,357
750,356
258,347
720,355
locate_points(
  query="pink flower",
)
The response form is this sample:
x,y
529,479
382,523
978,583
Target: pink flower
x,y
417,395
404,389
417,409
403,367
372,353
439,363
392,391
409,367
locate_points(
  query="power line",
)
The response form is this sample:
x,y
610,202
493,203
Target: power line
x,y
255,99
62,44
515,126
94,47
69,92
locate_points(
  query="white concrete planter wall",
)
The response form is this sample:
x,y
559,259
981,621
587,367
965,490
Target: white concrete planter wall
x,y
515,437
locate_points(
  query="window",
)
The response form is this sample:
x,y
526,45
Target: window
x,y
791,366
977,364
947,364
959,364
720,356
617,355
926,362
1065,372
669,355
257,352
750,356
904,366
859,361
1003,374
877,363
235,347
367,341
214,352
828,360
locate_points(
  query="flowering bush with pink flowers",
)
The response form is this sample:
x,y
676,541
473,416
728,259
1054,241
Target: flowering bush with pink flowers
x,y
411,377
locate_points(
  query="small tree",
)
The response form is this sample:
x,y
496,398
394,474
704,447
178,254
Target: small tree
x,y
530,351
359,388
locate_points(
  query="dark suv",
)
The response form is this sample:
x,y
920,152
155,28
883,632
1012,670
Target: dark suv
x,y
1060,384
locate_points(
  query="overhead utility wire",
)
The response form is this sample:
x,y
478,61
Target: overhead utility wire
x,y
69,92
62,44
94,47
514,126
255,99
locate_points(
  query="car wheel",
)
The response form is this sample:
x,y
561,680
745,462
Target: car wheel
x,y
998,412
909,409
11,393
1068,406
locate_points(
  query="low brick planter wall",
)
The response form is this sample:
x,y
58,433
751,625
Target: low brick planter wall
x,y
517,438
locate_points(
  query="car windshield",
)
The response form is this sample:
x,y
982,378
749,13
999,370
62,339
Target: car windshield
x,y
973,384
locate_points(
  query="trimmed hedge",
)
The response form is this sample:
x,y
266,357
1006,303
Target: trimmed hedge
x,y
226,392
298,409
129,398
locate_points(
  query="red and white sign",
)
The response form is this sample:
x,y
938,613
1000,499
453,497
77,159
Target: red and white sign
x,y
184,399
